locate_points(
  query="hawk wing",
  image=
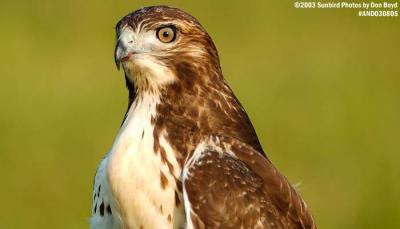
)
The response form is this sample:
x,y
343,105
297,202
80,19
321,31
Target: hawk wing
x,y
227,184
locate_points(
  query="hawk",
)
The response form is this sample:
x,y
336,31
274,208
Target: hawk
x,y
186,154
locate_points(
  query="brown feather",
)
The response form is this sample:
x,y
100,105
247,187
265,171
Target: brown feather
x,y
199,104
255,194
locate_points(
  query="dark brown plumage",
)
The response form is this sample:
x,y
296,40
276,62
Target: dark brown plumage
x,y
224,178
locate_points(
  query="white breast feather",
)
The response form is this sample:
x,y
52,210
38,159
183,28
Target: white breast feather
x,y
130,174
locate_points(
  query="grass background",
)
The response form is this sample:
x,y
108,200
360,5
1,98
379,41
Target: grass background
x,y
322,88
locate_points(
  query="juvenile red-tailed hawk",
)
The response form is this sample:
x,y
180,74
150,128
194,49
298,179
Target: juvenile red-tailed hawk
x,y
187,155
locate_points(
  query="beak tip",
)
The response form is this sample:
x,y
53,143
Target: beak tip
x,y
118,65
117,62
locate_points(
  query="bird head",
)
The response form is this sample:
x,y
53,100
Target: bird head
x,y
160,46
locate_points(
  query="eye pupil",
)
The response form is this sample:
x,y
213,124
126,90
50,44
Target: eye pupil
x,y
165,34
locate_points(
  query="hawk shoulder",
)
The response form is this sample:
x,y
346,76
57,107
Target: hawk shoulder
x,y
228,184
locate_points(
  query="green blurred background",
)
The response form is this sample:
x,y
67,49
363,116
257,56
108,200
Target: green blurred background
x,y
322,88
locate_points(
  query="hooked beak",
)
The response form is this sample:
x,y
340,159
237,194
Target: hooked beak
x,y
120,54
125,47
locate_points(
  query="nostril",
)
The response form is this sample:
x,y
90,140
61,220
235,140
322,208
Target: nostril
x,y
130,42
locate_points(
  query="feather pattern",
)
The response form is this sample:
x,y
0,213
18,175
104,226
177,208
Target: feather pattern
x,y
187,155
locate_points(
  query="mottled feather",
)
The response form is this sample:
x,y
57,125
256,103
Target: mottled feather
x,y
198,140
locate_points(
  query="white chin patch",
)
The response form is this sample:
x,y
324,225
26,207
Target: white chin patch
x,y
144,66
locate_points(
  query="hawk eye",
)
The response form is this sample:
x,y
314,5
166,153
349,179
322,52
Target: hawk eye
x,y
166,34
